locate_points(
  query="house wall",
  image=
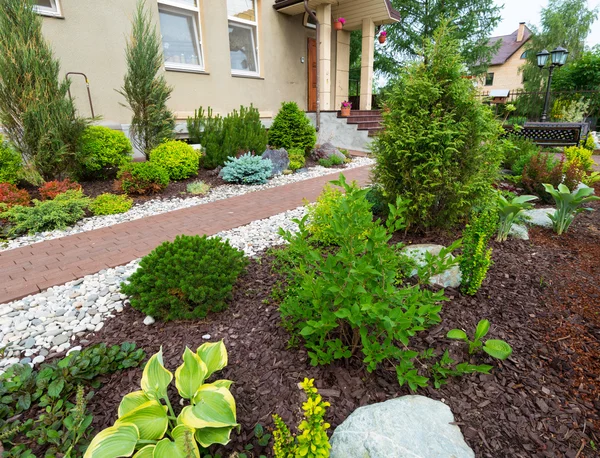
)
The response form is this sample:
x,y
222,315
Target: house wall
x,y
91,38
507,75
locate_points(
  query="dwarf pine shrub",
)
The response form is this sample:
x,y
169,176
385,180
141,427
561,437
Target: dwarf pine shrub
x,y
247,169
292,129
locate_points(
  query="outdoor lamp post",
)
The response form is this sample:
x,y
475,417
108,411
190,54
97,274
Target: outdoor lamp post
x,y
558,58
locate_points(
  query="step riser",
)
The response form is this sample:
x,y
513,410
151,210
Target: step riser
x,y
358,119
363,113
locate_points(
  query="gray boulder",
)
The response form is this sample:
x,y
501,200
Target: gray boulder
x,y
519,231
450,278
539,216
279,158
325,151
405,427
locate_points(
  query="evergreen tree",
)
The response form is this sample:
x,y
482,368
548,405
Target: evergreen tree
x,y
35,110
144,89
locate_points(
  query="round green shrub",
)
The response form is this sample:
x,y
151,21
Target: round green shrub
x,y
292,129
179,159
142,178
10,163
110,204
102,150
185,279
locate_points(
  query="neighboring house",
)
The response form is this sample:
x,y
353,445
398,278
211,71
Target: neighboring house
x,y
219,53
504,70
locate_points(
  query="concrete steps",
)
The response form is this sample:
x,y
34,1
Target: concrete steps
x,y
369,120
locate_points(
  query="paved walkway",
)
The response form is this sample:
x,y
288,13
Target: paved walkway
x,y
34,268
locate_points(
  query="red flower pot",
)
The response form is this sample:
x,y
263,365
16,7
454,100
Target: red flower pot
x,y
382,39
346,111
338,25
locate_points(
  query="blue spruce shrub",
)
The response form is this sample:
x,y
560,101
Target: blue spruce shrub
x,y
247,169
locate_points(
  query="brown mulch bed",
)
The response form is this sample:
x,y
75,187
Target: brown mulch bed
x,y
542,296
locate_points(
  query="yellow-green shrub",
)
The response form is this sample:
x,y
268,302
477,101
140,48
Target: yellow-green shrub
x,y
320,214
179,159
579,155
110,204
297,159
102,149
10,163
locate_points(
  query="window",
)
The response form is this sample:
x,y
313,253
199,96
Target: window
x,y
47,7
181,37
243,37
489,79
525,54
308,21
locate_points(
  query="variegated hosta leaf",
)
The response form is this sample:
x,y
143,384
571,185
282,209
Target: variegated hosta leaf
x,y
145,452
220,384
214,356
150,419
156,378
214,407
132,401
118,440
209,436
184,445
190,376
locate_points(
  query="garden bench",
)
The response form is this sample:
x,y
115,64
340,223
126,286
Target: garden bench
x,y
552,133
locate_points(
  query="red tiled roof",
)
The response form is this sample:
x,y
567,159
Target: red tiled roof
x,y
509,46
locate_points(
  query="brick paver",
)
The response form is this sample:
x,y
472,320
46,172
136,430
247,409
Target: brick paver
x,y
36,267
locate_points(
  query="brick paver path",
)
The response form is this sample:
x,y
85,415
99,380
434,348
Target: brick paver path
x,y
34,268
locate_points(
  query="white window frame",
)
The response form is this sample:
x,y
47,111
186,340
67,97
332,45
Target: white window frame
x,y
54,10
177,7
253,26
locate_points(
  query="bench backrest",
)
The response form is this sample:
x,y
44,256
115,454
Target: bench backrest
x,y
552,133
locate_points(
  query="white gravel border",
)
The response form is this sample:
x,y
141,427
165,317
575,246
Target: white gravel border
x,y
158,206
44,324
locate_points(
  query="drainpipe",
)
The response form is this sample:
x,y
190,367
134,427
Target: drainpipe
x,y
314,18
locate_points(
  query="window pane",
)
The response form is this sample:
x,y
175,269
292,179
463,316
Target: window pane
x,y
180,42
242,9
44,3
242,48
489,79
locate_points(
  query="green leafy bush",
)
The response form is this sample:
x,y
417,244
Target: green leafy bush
x,y
110,204
65,209
10,163
198,187
589,143
239,132
11,196
292,129
498,349
102,151
517,151
186,278
297,158
247,169
545,168
312,442
142,178
144,420
581,156
568,204
331,161
476,258
48,406
439,147
179,159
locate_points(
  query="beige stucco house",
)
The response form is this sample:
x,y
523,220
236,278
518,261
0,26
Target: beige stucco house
x,y
504,70
219,53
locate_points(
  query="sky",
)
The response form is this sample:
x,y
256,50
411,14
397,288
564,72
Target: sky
x,y
528,11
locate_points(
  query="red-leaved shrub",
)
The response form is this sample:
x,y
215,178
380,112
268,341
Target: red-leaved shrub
x,y
545,168
11,196
51,189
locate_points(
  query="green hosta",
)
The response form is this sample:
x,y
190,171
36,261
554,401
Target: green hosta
x,y
498,349
568,204
511,212
148,426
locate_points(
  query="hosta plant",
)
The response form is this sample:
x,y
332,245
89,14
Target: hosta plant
x,y
568,204
511,212
147,425
498,349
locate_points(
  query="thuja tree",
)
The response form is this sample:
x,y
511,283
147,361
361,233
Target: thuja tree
x,y
439,147
144,89
35,111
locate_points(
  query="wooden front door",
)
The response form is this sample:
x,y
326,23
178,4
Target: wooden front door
x,y
312,74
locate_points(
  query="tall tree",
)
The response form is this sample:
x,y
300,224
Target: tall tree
x,y
145,89
35,111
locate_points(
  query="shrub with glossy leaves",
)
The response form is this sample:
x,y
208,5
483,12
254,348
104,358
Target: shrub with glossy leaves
x,y
101,151
247,169
142,178
10,196
292,129
186,278
51,189
10,163
110,204
179,159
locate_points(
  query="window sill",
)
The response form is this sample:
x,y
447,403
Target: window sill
x,y
253,77
187,70
50,14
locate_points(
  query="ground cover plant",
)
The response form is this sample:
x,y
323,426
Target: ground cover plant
x,y
185,279
198,188
179,159
292,129
101,151
110,204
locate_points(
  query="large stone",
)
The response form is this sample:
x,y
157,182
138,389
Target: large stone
x,y
405,427
279,158
539,216
325,151
448,279
519,231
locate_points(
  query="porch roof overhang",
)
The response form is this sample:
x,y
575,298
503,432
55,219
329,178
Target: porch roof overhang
x,y
354,11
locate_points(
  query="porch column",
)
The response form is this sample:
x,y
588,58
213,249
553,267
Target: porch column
x,y
324,17
342,68
366,70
